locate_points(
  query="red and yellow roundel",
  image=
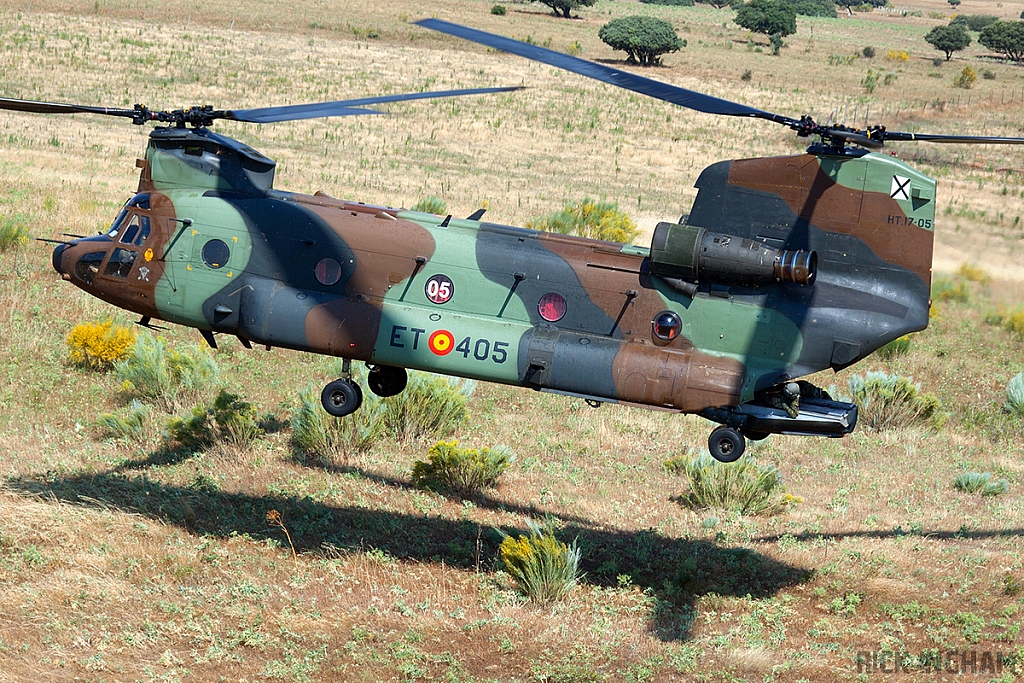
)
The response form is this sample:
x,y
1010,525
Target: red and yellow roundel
x,y
441,342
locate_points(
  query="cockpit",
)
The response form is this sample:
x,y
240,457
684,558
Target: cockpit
x,y
129,232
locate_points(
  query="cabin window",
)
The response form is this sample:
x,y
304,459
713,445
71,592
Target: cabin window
x,y
666,325
216,254
328,271
120,263
552,307
88,265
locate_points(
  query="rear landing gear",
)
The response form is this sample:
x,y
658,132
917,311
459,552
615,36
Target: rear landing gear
x,y
726,444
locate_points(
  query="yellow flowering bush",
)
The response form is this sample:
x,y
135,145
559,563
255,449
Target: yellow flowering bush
x,y
98,346
542,566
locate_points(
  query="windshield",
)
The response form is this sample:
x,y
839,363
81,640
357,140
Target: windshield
x,y
140,200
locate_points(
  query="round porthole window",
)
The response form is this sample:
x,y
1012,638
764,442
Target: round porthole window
x,y
328,271
666,325
551,307
215,253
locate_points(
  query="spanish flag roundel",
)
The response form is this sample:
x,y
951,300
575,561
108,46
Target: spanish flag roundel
x,y
441,342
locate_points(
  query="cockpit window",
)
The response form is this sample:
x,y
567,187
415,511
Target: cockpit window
x,y
140,201
88,265
131,231
116,225
137,231
143,232
120,263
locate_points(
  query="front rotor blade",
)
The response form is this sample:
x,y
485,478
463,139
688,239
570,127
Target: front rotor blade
x,y
890,136
58,108
343,107
623,79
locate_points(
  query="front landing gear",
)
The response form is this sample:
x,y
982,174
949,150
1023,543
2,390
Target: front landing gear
x,y
385,380
342,396
726,444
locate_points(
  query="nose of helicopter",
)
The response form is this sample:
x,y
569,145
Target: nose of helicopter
x,y
57,253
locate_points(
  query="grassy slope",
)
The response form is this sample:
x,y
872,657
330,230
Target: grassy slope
x,y
193,583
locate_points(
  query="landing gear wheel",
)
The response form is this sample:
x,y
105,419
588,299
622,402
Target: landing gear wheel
x,y
385,380
726,444
341,397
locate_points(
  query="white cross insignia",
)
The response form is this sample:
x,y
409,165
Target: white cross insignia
x,y
899,187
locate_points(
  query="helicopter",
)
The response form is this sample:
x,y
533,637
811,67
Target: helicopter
x,y
784,266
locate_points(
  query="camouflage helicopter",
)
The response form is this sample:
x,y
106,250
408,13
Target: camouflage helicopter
x,y
784,266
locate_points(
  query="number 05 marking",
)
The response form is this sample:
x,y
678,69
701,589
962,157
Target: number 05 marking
x,y
439,289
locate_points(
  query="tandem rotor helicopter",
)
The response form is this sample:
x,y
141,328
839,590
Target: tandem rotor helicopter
x,y
784,266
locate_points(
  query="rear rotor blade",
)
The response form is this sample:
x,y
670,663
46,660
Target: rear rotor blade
x,y
623,79
890,136
343,107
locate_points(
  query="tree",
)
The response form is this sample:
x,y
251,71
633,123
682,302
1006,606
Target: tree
x,y
1005,37
564,6
948,39
774,18
644,39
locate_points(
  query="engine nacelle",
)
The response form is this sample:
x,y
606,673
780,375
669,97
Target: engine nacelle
x,y
688,252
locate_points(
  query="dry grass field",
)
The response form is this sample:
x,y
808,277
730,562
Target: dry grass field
x,y
123,562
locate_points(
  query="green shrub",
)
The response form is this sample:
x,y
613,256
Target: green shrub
x,y
1015,395
897,347
316,433
431,405
675,3
434,205
966,78
1013,323
543,567
154,372
988,74
975,22
868,52
842,60
814,8
973,273
499,10
980,482
13,234
236,419
97,346
575,48
461,470
131,427
226,419
947,289
743,486
597,220
644,39
192,433
889,401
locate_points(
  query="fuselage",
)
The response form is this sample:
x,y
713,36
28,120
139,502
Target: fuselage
x,y
208,243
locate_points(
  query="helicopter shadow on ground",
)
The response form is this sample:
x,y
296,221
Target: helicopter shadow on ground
x,y
479,499
676,571
935,534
